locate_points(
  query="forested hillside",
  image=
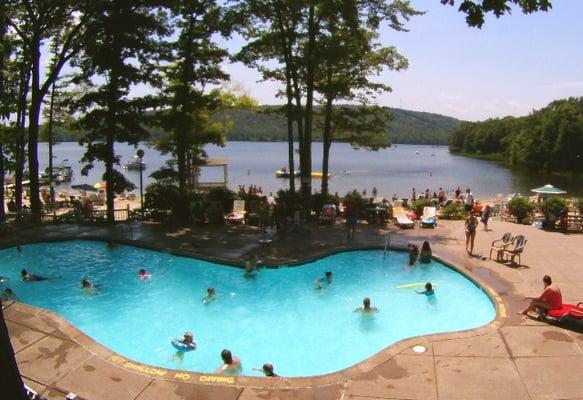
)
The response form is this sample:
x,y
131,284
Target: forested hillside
x,y
549,139
409,127
266,124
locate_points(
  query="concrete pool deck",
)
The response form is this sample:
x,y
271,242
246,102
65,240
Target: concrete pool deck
x,y
512,358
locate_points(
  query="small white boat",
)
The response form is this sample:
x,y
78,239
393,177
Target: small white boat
x,y
134,164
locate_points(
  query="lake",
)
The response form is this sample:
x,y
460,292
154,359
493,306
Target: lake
x,y
394,170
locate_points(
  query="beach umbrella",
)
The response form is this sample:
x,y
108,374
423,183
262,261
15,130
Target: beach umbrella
x,y
548,189
100,185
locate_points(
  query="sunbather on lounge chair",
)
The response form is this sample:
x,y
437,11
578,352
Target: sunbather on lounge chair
x,y
550,298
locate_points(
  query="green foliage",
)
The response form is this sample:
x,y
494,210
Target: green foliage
x,y
453,211
222,196
552,207
319,199
476,10
407,127
579,205
120,182
520,207
267,124
549,139
160,196
360,201
288,202
419,205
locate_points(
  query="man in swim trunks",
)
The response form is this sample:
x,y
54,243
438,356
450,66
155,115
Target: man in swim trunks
x,y
550,298
231,364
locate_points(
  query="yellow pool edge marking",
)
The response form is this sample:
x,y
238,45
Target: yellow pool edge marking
x,y
163,373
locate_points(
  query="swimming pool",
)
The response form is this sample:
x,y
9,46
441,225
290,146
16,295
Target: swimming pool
x,y
276,317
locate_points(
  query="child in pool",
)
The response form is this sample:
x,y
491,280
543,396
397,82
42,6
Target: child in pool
x,y
143,275
324,281
413,254
425,255
211,295
428,290
188,341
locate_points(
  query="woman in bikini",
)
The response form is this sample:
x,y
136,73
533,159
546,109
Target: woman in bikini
x,y
471,225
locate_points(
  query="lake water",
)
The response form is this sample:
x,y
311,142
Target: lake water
x,y
394,170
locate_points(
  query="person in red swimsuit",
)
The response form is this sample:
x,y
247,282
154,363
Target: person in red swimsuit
x,y
550,298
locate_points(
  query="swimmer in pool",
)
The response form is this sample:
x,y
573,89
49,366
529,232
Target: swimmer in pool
x,y
231,364
324,281
267,369
86,284
30,277
188,341
144,275
428,290
366,308
211,295
250,267
8,295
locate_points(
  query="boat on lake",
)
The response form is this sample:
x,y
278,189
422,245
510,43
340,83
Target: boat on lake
x,y
285,174
61,173
134,164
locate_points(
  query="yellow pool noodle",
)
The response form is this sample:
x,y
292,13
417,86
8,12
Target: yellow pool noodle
x,y
411,285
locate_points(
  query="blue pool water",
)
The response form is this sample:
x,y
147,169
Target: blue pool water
x,y
277,317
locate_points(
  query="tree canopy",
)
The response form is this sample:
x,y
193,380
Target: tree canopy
x,y
476,10
549,139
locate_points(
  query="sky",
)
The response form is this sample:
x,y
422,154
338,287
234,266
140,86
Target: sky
x,y
512,66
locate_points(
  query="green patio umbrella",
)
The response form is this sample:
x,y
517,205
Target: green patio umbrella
x,y
548,189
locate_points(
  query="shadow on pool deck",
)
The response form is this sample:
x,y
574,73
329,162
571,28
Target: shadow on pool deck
x,y
512,358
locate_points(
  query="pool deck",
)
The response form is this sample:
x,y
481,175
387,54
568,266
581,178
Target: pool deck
x,y
511,358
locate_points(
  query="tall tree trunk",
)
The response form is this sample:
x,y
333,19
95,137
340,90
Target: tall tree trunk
x,y
306,151
110,145
10,379
286,47
20,138
327,140
51,142
2,193
33,130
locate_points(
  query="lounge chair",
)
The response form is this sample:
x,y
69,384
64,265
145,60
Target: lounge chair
x,y
238,214
429,219
567,313
401,218
499,245
328,214
516,250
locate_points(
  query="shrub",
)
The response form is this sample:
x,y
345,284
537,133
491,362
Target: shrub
x,y
419,205
288,201
579,204
160,196
552,207
223,196
360,201
453,211
520,207
319,199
